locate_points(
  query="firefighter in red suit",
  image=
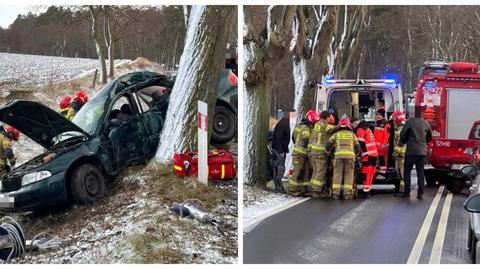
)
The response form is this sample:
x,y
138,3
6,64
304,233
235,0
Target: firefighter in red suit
x,y
381,134
369,153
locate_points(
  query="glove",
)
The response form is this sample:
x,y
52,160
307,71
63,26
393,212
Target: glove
x,y
395,156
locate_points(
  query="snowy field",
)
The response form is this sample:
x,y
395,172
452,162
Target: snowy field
x,y
38,70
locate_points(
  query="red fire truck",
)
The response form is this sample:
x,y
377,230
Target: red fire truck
x,y
448,98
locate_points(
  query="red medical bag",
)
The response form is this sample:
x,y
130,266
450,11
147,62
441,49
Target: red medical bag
x,y
221,164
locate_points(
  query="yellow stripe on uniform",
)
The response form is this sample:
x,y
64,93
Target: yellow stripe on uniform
x,y
223,172
176,167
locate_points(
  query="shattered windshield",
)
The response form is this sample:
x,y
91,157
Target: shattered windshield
x,y
87,118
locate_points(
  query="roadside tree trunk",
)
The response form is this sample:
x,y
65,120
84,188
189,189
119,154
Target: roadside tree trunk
x,y
95,12
261,55
201,65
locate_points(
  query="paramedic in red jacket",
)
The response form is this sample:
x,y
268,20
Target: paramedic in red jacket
x,y
382,135
369,152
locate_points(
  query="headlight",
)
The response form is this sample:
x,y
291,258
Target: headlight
x,y
34,177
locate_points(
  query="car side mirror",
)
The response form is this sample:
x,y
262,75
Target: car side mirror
x,y
469,151
469,171
472,204
112,123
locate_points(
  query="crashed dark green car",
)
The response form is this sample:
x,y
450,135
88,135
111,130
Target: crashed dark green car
x,y
117,128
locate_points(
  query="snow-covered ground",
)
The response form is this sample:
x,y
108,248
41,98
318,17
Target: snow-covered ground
x,y
35,69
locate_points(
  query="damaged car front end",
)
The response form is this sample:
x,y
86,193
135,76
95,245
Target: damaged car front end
x,y
117,128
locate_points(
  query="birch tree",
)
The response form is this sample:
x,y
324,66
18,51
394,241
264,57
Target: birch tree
x,y
95,12
201,65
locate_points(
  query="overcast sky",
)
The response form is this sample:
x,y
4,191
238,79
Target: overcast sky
x,y
8,13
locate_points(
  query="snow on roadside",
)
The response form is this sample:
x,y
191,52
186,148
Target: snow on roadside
x,y
38,70
257,202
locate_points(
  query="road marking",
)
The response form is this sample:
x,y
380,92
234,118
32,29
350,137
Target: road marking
x,y
436,254
422,235
250,224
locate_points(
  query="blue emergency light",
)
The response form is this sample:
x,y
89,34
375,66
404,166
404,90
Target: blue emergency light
x,y
429,85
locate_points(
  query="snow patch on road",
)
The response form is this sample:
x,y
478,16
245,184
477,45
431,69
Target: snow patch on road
x,y
257,202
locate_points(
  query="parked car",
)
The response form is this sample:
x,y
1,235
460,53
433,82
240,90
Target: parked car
x,y
225,118
473,206
119,127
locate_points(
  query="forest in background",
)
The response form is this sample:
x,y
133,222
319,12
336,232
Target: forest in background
x,y
154,32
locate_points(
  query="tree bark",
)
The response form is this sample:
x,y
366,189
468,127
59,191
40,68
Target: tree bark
x,y
201,65
99,42
261,56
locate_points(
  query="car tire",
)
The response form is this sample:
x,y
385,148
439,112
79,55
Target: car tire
x,y
476,253
87,184
431,182
224,125
455,185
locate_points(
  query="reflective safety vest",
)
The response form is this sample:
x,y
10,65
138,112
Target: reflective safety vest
x,y
67,113
319,137
301,135
399,147
5,143
345,143
381,133
367,142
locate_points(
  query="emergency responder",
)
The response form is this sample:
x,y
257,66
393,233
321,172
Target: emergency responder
x,y
346,148
369,153
398,154
382,136
280,141
7,159
316,145
65,108
79,99
298,183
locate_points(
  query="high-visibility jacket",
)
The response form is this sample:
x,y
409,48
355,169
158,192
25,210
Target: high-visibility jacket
x,y
301,135
319,137
346,144
399,147
367,142
67,113
381,134
5,146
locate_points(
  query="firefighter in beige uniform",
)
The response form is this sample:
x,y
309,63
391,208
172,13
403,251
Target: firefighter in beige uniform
x,y
399,148
7,159
318,138
347,148
298,184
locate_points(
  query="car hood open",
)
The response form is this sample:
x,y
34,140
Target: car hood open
x,y
37,121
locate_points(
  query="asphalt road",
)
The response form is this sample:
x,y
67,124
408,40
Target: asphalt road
x,y
382,229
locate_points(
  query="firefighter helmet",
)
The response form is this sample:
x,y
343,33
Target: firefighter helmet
x,y
312,116
12,133
65,102
398,117
81,96
344,122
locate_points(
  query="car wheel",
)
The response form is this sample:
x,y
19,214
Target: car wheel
x,y
456,185
476,256
224,125
87,184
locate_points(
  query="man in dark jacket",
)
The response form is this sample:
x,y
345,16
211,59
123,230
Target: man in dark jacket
x,y
280,141
416,133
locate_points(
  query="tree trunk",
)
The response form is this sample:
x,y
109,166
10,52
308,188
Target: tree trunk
x,y
99,42
260,62
201,65
111,59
